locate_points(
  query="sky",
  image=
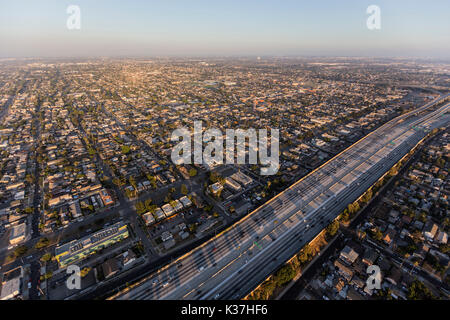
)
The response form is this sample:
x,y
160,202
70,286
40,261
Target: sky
x,y
38,28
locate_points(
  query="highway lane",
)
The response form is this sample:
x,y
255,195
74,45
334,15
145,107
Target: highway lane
x,y
310,194
332,209
253,271
286,248
234,289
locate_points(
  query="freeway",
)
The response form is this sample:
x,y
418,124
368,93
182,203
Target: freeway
x,y
234,262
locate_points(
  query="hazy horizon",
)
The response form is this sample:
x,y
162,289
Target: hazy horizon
x,y
410,29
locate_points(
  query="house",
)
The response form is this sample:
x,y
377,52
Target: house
x,y
148,218
106,198
75,209
186,202
393,216
128,257
110,267
370,256
168,210
389,236
159,214
421,251
166,235
352,294
338,284
177,206
183,234
348,255
430,230
343,270
442,237
418,225
359,283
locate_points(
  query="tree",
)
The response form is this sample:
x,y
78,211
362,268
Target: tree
x,y
148,204
367,196
46,257
184,189
304,254
43,242
140,207
192,172
284,275
128,193
20,251
117,182
126,149
377,234
423,217
192,227
333,228
353,208
173,203
345,216
132,181
214,177
418,291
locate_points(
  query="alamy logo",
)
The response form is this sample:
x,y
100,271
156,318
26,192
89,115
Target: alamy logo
x,y
74,20
374,20
213,153
74,280
374,280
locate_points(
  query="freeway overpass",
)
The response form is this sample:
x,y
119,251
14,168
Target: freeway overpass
x,y
234,262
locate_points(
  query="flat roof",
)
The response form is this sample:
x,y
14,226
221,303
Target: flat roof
x,y
86,241
10,289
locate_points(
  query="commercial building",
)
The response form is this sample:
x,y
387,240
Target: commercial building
x,y
11,284
232,184
17,234
10,289
242,178
78,250
215,188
